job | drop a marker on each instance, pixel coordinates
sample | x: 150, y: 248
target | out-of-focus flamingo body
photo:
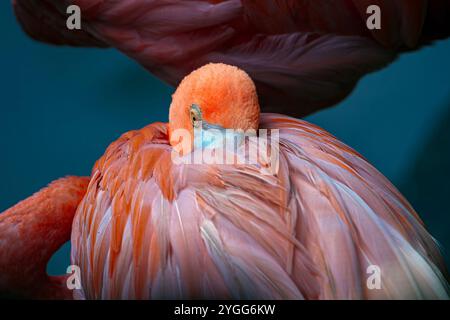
x: 304, y: 55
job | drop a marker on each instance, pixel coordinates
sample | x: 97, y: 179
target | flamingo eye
x: 195, y: 116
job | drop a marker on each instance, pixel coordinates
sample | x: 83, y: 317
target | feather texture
x: 228, y: 231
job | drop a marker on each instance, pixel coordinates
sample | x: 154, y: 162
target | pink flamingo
x: 150, y: 228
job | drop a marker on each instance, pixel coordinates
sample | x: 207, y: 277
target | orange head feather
x: 216, y: 94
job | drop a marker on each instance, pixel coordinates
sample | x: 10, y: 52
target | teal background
x: 60, y: 107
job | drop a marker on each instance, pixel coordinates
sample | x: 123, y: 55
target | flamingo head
x: 216, y: 96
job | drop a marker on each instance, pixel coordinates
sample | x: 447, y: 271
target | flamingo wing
x: 350, y: 217
x: 304, y: 55
x: 149, y: 228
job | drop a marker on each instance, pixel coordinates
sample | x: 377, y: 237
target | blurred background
x: 60, y: 107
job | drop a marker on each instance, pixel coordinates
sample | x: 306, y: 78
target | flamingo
x: 303, y: 55
x: 146, y: 227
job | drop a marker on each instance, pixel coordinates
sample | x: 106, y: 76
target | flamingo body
x: 304, y: 55
x: 150, y: 229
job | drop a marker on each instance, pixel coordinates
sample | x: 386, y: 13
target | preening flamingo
x: 303, y: 55
x: 150, y: 228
